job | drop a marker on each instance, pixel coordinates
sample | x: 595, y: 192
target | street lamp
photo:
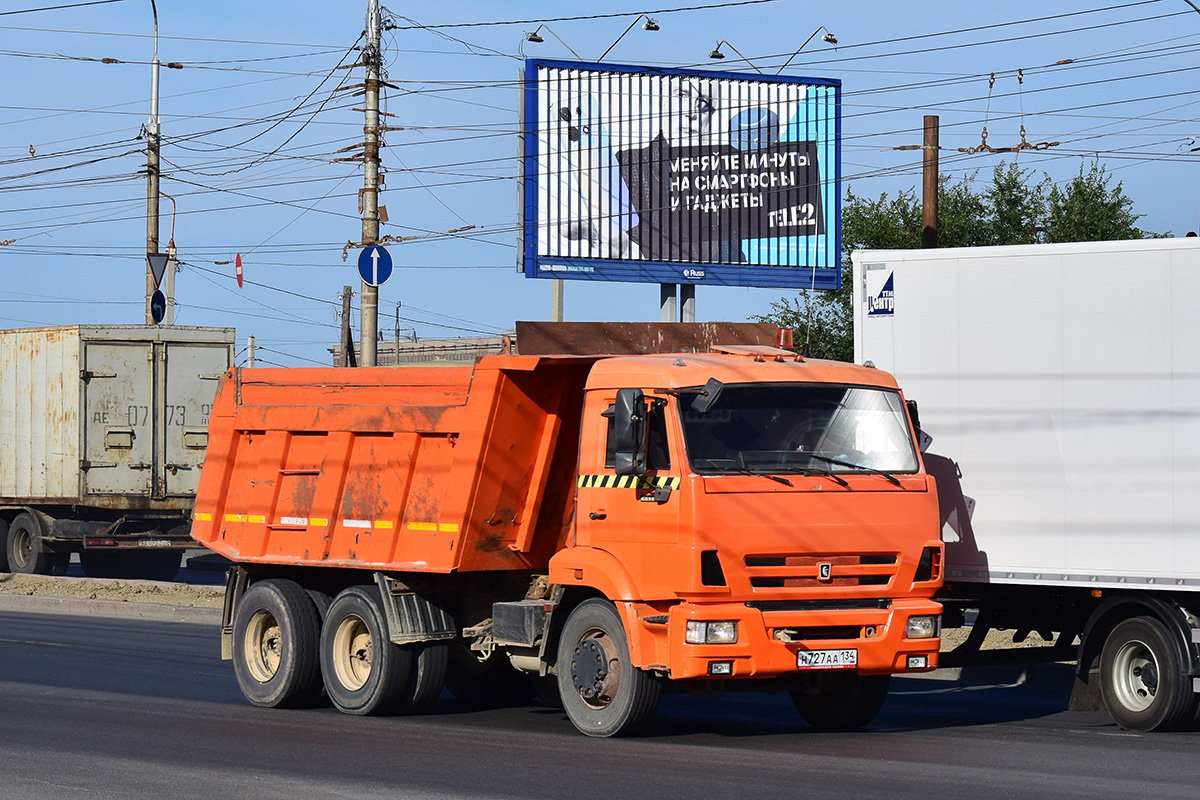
x: 828, y: 37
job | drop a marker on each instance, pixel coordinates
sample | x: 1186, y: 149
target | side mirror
x: 629, y: 432
x: 708, y: 397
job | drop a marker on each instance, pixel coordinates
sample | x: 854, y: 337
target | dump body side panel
x: 412, y: 469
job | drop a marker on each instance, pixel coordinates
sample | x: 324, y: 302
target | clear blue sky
x: 252, y: 126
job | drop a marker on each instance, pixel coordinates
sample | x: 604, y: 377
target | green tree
x: 1087, y: 210
x: 1010, y: 209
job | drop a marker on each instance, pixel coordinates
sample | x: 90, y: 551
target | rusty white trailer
x: 103, y: 430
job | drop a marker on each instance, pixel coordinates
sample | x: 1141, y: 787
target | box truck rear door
x: 193, y: 370
x: 119, y: 421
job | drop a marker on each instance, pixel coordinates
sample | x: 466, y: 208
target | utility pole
x: 369, y: 298
x: 152, y: 169
x: 929, y: 187
x: 249, y: 351
x: 346, y: 358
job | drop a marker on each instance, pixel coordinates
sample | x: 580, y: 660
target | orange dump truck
x: 612, y: 526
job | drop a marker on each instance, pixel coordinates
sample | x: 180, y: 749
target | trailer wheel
x: 364, y: 672
x: 603, y: 693
x: 275, y: 638
x: 842, y: 701
x: 1142, y: 677
x: 3, y: 545
x: 26, y: 552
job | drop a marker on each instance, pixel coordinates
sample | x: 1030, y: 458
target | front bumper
x: 771, y: 635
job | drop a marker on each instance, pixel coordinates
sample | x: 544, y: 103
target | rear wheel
x: 276, y: 632
x: 1142, y: 677
x: 364, y: 672
x: 427, y: 677
x: 27, y: 553
x: 603, y: 693
x: 842, y: 701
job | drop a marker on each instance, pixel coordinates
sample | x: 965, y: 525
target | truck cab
x: 758, y: 517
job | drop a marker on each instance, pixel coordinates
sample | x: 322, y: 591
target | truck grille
x: 798, y: 571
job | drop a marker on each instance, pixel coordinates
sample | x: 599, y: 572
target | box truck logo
x: 884, y: 303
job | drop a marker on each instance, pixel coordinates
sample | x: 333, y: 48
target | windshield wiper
x: 869, y: 470
x: 824, y: 473
x: 768, y: 475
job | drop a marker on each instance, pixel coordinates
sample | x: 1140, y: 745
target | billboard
x: 680, y: 176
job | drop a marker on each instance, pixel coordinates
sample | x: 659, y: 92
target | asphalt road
x: 104, y: 708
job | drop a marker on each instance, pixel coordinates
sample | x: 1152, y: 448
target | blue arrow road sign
x: 374, y: 265
x: 158, y: 306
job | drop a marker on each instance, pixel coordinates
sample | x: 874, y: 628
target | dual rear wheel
x: 289, y: 650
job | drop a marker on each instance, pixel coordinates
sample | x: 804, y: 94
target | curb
x: 159, y: 612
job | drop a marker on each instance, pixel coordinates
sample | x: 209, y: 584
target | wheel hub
x: 589, y: 669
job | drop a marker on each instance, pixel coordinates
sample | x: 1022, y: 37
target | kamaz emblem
x: 884, y: 303
x: 825, y: 571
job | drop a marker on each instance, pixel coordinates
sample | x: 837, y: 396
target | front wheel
x: 842, y: 701
x: 603, y: 693
x: 1142, y: 677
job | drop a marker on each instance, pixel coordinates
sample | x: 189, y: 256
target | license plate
x: 826, y: 659
x: 154, y: 543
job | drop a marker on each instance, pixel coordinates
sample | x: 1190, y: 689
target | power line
x: 59, y: 8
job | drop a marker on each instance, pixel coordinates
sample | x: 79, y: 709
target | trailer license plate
x: 826, y: 659
x: 154, y: 543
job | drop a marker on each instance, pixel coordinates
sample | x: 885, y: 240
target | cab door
x: 636, y: 518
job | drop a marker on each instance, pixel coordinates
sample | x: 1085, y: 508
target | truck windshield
x: 795, y: 427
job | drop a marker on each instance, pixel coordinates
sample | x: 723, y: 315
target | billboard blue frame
x: 625, y: 178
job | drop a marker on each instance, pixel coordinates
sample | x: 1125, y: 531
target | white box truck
x: 1061, y: 387
x: 103, y: 430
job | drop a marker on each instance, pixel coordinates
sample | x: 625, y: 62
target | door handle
x: 597, y: 515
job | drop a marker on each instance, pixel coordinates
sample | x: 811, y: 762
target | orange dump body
x: 502, y: 467
x: 434, y: 469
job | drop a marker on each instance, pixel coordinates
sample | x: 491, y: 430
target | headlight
x: 922, y: 627
x: 722, y: 632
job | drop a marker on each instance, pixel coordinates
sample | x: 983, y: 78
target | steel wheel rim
x: 353, y: 653
x: 263, y: 645
x: 23, y: 551
x: 1135, y: 673
x: 612, y: 683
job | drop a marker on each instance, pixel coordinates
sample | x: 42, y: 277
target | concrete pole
x: 929, y: 184
x: 152, y: 170
x: 687, y: 302
x: 369, y: 299
x: 249, y: 351
x: 667, y: 302
x: 556, y: 299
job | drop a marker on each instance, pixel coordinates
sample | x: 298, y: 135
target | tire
x: 1142, y: 677
x: 276, y: 633
x: 603, y: 693
x: 364, y: 672
x: 426, y: 677
x: 3, y: 545
x: 842, y: 701
x: 26, y: 553
x: 491, y: 684
x: 156, y: 565
x: 101, y: 563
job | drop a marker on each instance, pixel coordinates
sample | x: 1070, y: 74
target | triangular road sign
x: 158, y: 265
